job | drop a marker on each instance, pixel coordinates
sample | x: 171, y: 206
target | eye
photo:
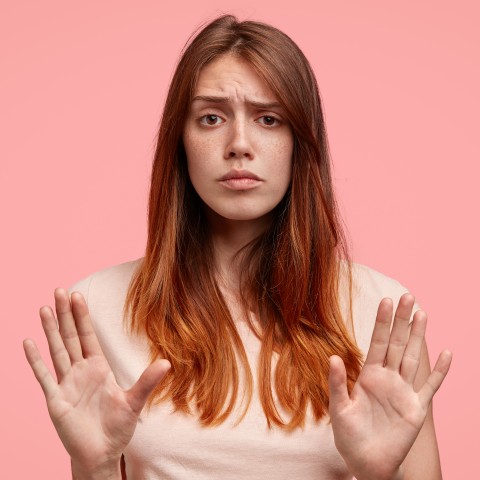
x: 209, y: 119
x: 270, y: 120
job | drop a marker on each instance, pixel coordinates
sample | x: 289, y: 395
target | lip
x: 236, y: 174
x: 240, y: 180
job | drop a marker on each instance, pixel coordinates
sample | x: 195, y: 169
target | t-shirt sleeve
x: 105, y: 292
x: 82, y: 286
x: 369, y: 287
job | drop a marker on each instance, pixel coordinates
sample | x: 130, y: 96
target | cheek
x: 200, y: 165
x: 282, y: 144
x: 281, y: 153
x: 198, y: 149
x: 193, y: 151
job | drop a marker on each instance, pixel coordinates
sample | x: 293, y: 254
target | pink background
x: 82, y: 86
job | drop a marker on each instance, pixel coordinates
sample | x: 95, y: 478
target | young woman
x: 245, y: 327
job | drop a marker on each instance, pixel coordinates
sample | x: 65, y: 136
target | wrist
x: 396, y: 475
x: 109, y: 470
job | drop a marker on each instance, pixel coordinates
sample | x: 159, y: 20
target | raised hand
x: 375, y: 427
x: 94, y: 417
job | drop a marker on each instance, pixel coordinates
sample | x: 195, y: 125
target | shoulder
x: 110, y: 283
x: 105, y: 293
x: 371, y: 283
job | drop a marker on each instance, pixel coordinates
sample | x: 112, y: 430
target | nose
x: 238, y: 144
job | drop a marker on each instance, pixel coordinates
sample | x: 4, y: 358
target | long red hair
x: 291, y: 272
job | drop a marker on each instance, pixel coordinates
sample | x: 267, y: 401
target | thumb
x: 151, y: 376
x: 337, y: 382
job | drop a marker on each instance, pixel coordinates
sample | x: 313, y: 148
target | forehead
x: 234, y: 77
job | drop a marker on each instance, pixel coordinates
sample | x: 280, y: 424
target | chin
x: 243, y: 215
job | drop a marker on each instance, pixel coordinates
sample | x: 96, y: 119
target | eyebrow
x: 223, y: 100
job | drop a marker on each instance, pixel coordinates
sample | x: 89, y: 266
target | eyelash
x: 218, y: 116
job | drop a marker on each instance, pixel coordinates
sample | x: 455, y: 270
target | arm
x: 389, y: 408
x: 108, y: 472
x: 94, y: 417
x: 113, y: 472
x: 123, y: 466
x: 423, y: 460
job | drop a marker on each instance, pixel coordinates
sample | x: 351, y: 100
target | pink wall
x: 81, y: 90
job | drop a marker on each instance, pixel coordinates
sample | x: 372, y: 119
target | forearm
x: 110, y: 471
x: 397, y: 475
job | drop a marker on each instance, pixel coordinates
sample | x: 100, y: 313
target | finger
x: 434, y: 381
x: 337, y: 382
x: 413, y: 350
x: 58, y: 352
x: 399, y: 335
x: 42, y: 374
x: 381, y: 333
x: 138, y: 394
x: 86, y: 333
x: 66, y: 323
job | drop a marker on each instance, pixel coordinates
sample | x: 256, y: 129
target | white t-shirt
x: 174, y: 446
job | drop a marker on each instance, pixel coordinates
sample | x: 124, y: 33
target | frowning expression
x: 236, y: 128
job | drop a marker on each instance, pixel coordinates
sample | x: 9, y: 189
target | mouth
x: 240, y: 180
x: 239, y: 174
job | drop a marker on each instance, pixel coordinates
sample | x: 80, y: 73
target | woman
x: 245, y: 323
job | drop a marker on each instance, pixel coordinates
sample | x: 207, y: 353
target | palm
x: 376, y: 425
x: 91, y: 413
x: 94, y: 417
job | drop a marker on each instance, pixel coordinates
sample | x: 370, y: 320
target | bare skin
x: 95, y: 418
x: 383, y: 430
x: 389, y: 412
x: 376, y: 426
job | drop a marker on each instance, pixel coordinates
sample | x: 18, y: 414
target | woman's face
x: 236, y: 127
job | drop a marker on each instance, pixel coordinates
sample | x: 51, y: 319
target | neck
x: 228, y: 237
